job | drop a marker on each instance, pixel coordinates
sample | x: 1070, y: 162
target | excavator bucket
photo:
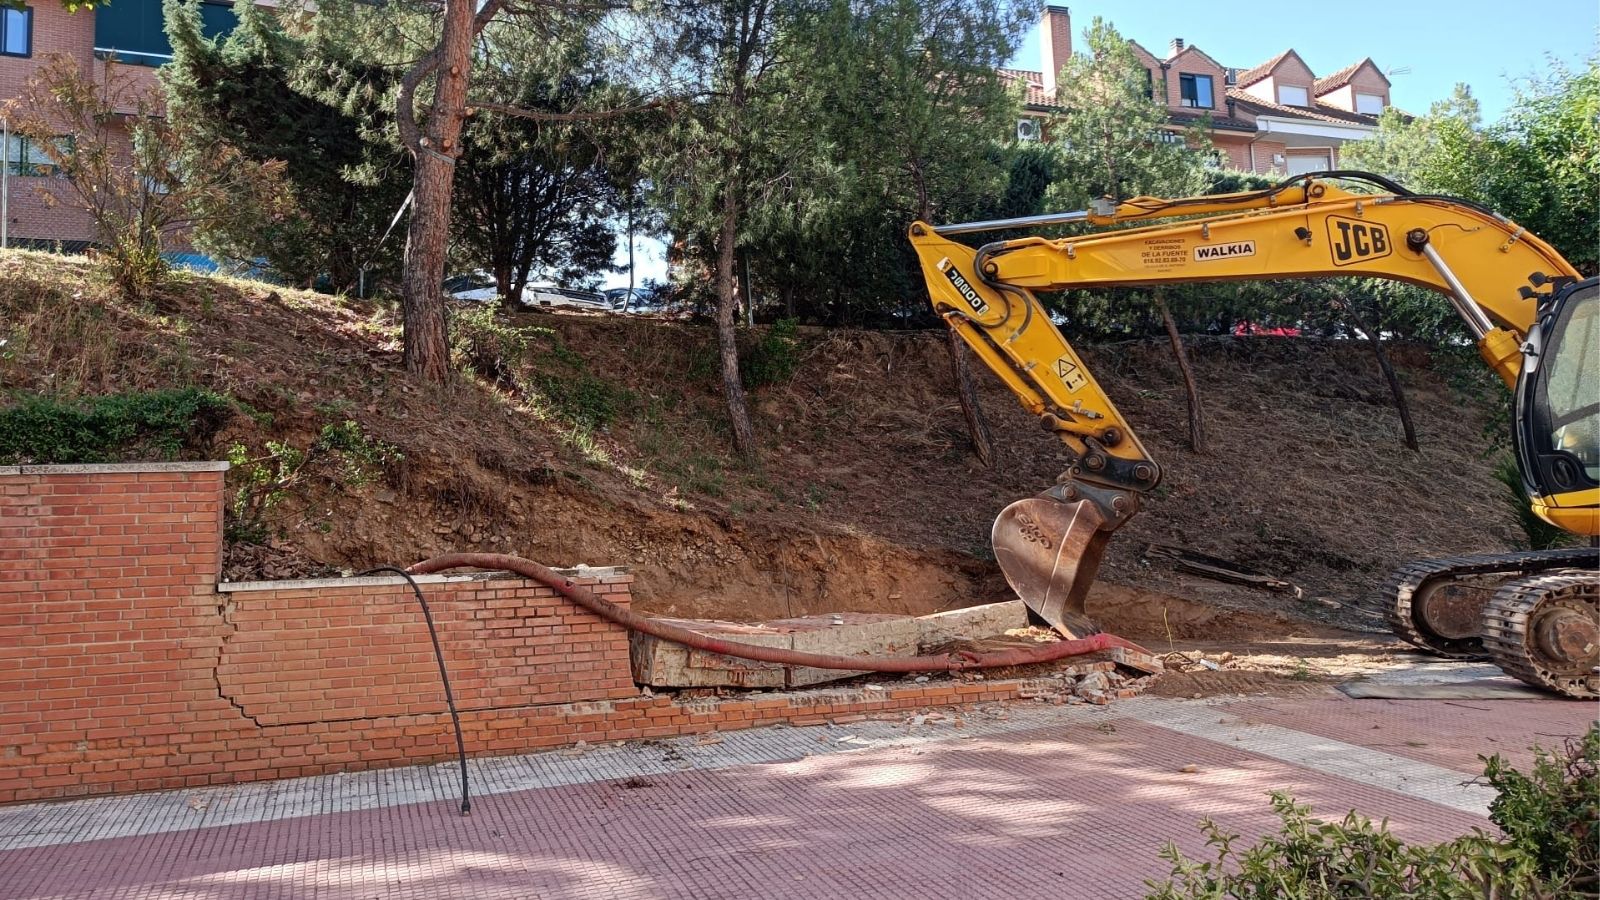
x: 1050, y: 552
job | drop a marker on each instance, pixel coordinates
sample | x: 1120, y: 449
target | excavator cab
x: 1558, y: 409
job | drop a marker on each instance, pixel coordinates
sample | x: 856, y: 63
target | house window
x: 1149, y: 84
x: 1293, y: 96
x: 1370, y: 104
x: 134, y: 31
x: 1195, y: 90
x: 24, y: 157
x: 16, y: 32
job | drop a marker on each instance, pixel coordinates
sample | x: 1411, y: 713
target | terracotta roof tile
x: 1228, y: 123
x: 1251, y: 76
x: 1033, y: 93
x: 1319, y: 111
x: 1340, y: 78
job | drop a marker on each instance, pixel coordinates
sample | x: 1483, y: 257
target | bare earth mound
x: 866, y: 497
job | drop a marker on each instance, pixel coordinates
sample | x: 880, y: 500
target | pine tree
x: 252, y: 90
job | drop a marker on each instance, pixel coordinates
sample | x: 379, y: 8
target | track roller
x: 1545, y: 630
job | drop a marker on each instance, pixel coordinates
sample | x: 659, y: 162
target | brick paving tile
x: 1449, y: 734
x: 1063, y: 812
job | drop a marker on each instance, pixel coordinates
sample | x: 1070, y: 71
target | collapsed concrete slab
x: 659, y: 663
x: 664, y: 664
x: 970, y: 623
x: 847, y: 634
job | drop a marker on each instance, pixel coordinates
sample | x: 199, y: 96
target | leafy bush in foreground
x: 1548, y: 850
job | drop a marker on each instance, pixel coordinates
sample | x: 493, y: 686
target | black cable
x: 444, y: 676
x: 1346, y: 174
x: 1354, y: 175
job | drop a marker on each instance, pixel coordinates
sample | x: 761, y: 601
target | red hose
x: 678, y: 635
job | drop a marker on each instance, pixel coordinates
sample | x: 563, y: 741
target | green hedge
x: 138, y: 426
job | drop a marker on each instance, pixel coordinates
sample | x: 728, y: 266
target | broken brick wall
x: 125, y: 666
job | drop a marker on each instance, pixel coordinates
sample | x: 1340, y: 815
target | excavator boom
x: 1499, y: 279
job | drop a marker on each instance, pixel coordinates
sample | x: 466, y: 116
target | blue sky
x: 1476, y: 41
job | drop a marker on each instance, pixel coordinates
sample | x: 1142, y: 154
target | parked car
x: 549, y: 295
x: 653, y: 299
x: 479, y: 286
x: 626, y: 299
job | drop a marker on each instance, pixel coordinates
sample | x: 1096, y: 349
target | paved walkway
x: 1015, y: 802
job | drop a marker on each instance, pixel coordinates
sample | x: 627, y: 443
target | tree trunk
x: 1389, y: 375
x: 967, y: 391
x: 627, y: 299
x: 427, y: 346
x: 1197, y: 427
x: 744, y: 438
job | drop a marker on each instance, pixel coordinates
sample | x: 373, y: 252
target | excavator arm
x: 1494, y: 273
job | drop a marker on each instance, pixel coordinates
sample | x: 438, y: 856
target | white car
x: 548, y: 295
x: 481, y: 287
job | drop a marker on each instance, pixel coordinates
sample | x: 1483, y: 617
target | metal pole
x: 749, y: 301
x: 1463, y: 301
x: 5, y: 187
x: 1060, y: 218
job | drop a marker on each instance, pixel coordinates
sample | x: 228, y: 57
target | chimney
x: 1055, y: 44
x: 1175, y: 47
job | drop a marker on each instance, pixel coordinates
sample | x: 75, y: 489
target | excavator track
x: 1415, y: 589
x: 1545, y: 630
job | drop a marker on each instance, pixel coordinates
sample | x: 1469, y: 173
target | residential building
x: 133, y: 33
x: 1277, y: 118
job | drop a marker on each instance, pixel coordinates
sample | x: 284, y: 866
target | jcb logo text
x: 1356, y: 241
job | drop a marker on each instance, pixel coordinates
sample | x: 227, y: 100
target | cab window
x: 1573, y: 385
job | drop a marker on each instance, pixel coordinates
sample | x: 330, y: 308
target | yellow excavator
x: 1536, y: 320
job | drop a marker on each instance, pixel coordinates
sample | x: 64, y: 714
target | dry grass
x: 865, y: 495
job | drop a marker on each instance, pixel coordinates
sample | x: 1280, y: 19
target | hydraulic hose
x: 950, y: 662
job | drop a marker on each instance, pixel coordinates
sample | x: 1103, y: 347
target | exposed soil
x: 1297, y: 665
x: 865, y: 497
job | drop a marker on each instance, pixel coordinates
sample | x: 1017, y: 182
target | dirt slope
x: 865, y: 496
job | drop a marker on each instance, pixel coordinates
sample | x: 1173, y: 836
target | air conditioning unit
x: 1027, y: 129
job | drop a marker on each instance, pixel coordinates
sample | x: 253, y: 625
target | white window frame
x: 1284, y: 100
x: 1370, y: 111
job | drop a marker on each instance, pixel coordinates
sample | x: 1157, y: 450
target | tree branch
x: 405, y: 104
x: 540, y: 115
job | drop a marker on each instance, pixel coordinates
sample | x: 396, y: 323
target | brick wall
x: 1262, y: 157
x: 1191, y: 61
x: 58, y: 33
x: 317, y: 651
x: 1055, y: 45
x: 124, y: 665
x: 55, y: 31
x: 1236, y: 148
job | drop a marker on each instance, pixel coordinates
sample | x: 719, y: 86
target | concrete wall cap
x: 302, y: 584
x: 117, y: 468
